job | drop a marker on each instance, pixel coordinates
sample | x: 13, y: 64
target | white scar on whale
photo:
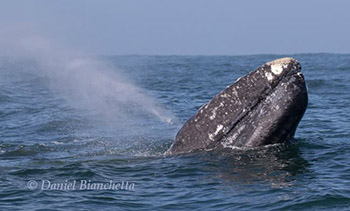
x: 279, y: 65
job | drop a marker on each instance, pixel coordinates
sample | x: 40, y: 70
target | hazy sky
x: 186, y: 27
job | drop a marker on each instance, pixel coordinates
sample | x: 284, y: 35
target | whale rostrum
x: 263, y: 107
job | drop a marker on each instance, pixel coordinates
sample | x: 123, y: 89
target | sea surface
x: 69, y: 123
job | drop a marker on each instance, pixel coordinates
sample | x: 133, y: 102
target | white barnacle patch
x: 269, y: 76
x: 234, y: 92
x: 225, y: 95
x: 218, y: 129
x: 213, y: 112
x: 277, y: 69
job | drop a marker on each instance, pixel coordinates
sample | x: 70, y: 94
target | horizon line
x: 255, y: 54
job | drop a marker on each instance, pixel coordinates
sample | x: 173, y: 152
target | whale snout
x: 263, y: 107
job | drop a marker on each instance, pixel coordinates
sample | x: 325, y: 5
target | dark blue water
x: 50, y: 132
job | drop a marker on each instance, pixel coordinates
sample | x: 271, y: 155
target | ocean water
x: 63, y: 127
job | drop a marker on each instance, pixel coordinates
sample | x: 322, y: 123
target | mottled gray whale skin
x: 263, y: 107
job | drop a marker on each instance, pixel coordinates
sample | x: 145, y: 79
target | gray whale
x: 263, y: 107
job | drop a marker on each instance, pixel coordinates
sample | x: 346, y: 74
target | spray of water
x: 88, y: 83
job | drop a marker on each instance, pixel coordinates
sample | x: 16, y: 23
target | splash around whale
x: 263, y: 107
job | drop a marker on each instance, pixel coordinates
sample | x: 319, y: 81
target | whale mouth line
x: 253, y: 105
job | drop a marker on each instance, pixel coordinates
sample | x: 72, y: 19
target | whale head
x: 263, y: 107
